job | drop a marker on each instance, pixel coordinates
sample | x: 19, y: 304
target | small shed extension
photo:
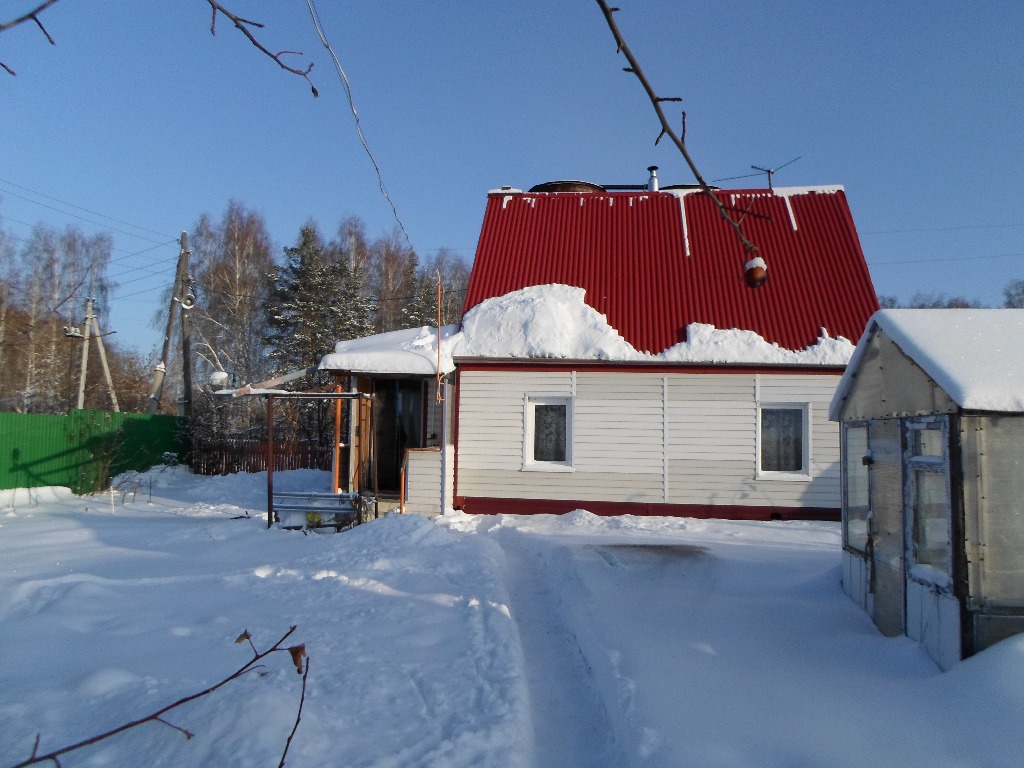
x: 402, y: 374
x: 932, y: 421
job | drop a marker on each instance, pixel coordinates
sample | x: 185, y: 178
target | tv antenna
x: 772, y: 171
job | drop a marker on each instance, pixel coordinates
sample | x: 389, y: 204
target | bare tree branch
x: 32, y: 15
x: 158, y: 717
x: 298, y: 715
x: 666, y: 129
x: 242, y: 25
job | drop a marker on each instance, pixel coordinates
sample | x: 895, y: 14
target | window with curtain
x: 783, y: 439
x: 548, y: 438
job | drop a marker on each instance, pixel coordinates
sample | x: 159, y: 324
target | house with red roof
x: 613, y: 358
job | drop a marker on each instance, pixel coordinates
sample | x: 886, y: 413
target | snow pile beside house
x: 555, y: 322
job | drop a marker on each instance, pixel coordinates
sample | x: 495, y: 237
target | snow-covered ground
x: 463, y: 641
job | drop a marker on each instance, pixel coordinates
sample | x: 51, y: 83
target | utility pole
x: 160, y: 372
x: 103, y: 362
x: 188, y: 300
x: 92, y: 324
x: 85, y: 355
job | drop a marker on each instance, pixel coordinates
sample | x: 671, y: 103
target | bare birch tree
x: 231, y: 259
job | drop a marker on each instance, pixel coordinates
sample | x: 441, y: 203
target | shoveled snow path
x: 571, y: 726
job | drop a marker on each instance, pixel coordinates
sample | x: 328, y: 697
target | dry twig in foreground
x: 298, y: 656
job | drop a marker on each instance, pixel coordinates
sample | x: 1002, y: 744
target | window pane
x: 782, y: 439
x: 857, y: 501
x: 549, y: 432
x: 927, y: 442
x: 931, y: 519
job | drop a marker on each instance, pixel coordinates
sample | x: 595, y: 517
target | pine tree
x: 316, y: 299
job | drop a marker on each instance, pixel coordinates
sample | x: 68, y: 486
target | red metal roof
x: 654, y: 262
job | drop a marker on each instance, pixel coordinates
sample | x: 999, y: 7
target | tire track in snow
x: 571, y: 725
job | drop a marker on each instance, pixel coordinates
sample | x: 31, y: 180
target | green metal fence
x: 83, y: 449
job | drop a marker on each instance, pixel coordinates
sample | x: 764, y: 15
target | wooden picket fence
x: 224, y: 457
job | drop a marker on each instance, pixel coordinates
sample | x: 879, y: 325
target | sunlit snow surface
x: 523, y: 641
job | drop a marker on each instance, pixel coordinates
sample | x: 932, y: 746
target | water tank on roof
x: 567, y: 186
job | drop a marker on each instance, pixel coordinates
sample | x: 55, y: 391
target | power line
x: 952, y: 258
x: 80, y: 208
x: 82, y: 218
x: 352, y: 107
x: 50, y: 231
x: 941, y: 229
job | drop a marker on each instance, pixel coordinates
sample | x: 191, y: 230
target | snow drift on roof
x: 974, y: 355
x: 542, y: 321
x: 412, y: 351
x: 555, y: 322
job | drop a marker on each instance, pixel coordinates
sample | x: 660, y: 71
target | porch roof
x: 413, y: 351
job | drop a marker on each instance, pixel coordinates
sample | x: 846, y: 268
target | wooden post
x: 270, y: 461
x: 336, y: 461
x: 373, y: 459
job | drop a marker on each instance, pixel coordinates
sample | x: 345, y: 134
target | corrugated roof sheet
x: 654, y: 262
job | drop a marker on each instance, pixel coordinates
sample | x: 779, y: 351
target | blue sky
x: 140, y: 114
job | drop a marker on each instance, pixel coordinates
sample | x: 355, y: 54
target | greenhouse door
x: 887, y: 535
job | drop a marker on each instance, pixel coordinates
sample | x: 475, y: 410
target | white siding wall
x: 423, y: 481
x: 681, y: 438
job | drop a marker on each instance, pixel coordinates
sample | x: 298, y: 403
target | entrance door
x: 928, y: 515
x: 887, y: 540
x: 399, y: 425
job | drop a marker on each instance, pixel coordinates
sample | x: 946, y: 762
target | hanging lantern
x: 755, y: 272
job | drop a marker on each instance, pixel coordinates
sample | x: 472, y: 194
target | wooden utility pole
x: 160, y: 372
x: 187, y: 302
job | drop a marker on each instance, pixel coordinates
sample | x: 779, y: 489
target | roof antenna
x: 771, y: 171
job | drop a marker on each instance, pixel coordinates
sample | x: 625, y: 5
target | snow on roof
x: 546, y: 321
x: 655, y: 263
x: 555, y: 322
x: 412, y: 351
x: 974, y: 355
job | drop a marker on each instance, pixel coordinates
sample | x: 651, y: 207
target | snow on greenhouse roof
x: 555, y: 322
x: 974, y: 355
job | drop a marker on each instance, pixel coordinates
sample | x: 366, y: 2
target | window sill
x: 783, y: 477
x: 534, y: 466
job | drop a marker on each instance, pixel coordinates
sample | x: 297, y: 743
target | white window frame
x: 805, y: 472
x: 530, y: 464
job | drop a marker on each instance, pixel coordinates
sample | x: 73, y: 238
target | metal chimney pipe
x: 652, y: 183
